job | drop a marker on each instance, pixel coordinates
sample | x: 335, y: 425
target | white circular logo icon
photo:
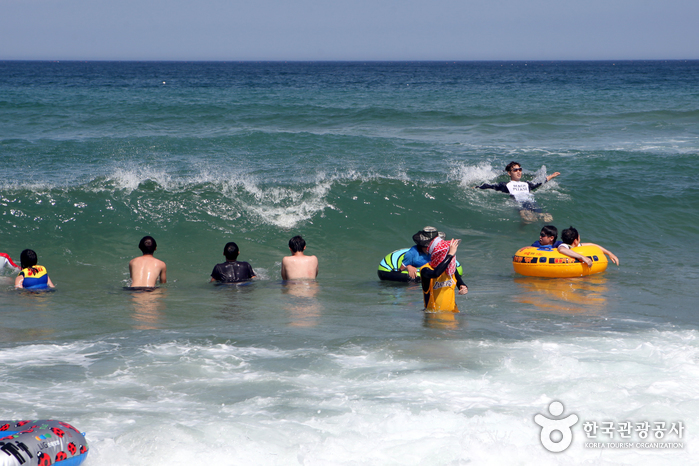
x: 549, y: 426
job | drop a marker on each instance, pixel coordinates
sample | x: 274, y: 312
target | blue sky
x: 348, y: 30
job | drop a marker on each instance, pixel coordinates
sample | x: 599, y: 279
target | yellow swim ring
x: 544, y: 262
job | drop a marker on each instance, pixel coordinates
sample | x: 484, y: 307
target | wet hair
x: 27, y: 259
x: 231, y: 251
x: 550, y: 230
x: 147, y: 245
x: 511, y: 165
x: 297, y: 244
x: 569, y: 235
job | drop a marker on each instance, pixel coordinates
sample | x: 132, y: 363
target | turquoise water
x: 356, y: 157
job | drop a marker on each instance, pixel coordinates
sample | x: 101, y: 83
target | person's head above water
x: 438, y: 250
x: 513, y: 165
x: 27, y: 259
x: 297, y: 244
x: 569, y: 235
x: 423, y: 237
x: 548, y: 235
x: 514, y: 169
x: 147, y: 245
x: 231, y: 251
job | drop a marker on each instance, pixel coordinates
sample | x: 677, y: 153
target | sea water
x: 356, y: 157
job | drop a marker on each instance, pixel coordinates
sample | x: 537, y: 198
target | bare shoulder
x: 310, y: 260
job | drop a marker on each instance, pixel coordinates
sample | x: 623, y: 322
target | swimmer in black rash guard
x: 521, y: 192
x: 232, y: 271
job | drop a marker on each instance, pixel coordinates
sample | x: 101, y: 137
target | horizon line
x: 538, y: 60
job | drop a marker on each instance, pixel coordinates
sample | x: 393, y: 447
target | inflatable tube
x: 5, y: 259
x: 545, y: 262
x: 41, y: 443
x: 389, y: 267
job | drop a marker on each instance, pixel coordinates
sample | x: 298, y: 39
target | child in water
x: 440, y: 278
x: 571, y: 239
x: 32, y: 276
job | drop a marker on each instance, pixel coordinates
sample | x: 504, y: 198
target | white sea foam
x: 130, y: 179
x: 443, y: 402
x: 280, y: 205
x: 469, y: 175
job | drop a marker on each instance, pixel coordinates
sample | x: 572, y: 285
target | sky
x: 234, y: 30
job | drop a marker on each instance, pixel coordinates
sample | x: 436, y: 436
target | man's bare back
x: 299, y: 266
x: 145, y: 271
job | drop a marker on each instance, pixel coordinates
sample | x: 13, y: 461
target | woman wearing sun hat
x: 417, y: 256
x: 440, y: 277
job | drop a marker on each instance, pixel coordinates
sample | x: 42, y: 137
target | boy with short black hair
x: 233, y: 270
x: 298, y: 265
x: 547, y: 238
x: 571, y: 239
x: 146, y: 270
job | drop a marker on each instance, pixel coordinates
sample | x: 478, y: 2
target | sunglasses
x: 544, y: 235
x: 516, y: 169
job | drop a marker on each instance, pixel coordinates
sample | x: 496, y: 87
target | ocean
x: 355, y: 157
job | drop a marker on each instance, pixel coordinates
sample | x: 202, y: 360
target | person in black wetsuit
x: 232, y: 271
x: 521, y: 192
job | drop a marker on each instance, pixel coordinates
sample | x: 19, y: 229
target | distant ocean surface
x: 356, y: 157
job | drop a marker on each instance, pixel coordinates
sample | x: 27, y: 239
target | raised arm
x: 533, y: 186
x: 439, y: 270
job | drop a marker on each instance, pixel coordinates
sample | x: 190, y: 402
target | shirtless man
x: 298, y: 265
x: 146, y: 270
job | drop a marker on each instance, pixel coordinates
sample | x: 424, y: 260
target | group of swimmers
x: 146, y: 271
x: 433, y: 257
x: 548, y: 239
